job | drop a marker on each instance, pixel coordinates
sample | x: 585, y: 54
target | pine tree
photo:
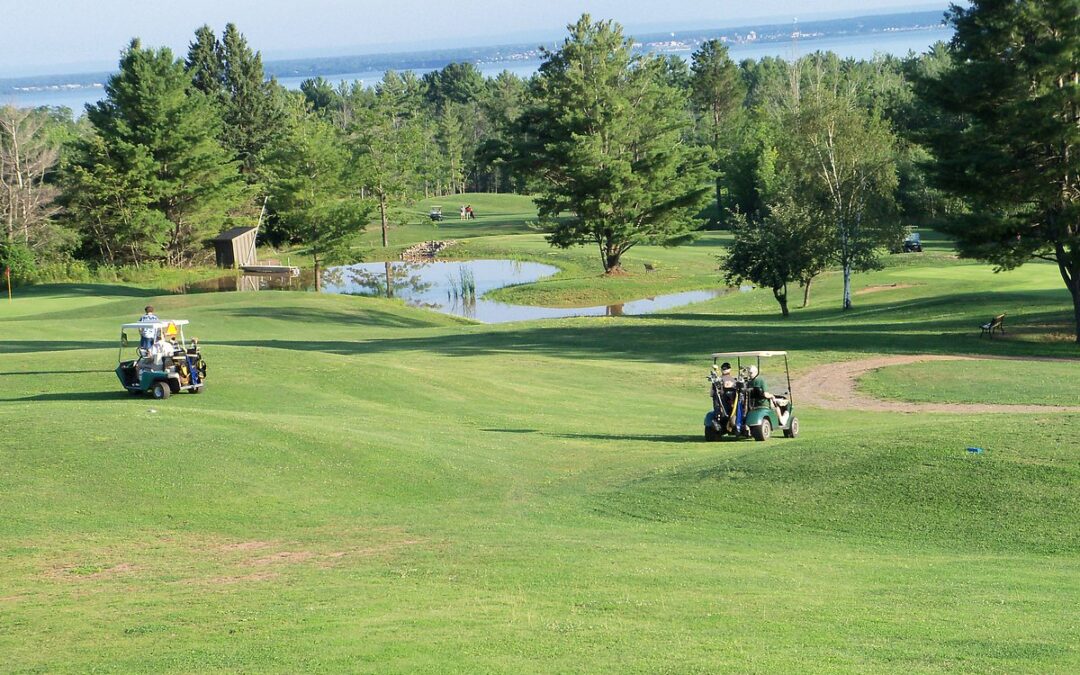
x: 450, y: 135
x: 717, y: 94
x: 502, y: 105
x: 311, y: 189
x: 1007, y: 140
x: 606, y: 136
x: 156, y: 143
x: 253, y: 111
x: 387, y: 140
x: 206, y: 64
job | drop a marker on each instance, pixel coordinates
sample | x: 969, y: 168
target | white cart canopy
x: 160, y: 325
x: 737, y: 355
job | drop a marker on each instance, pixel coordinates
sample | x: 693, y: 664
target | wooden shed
x: 235, y: 247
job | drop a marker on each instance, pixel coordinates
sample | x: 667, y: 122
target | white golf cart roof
x: 737, y: 355
x: 156, y: 324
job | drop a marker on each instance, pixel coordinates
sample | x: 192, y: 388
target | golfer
x: 757, y: 383
x: 727, y: 381
x: 146, y: 341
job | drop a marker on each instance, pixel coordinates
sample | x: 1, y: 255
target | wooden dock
x: 271, y: 269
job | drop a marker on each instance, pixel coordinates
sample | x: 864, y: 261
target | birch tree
x: 28, y: 157
x: 843, y: 157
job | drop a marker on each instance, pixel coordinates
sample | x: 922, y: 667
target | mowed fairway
x: 369, y: 487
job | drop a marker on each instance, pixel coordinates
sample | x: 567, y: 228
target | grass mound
x: 901, y: 483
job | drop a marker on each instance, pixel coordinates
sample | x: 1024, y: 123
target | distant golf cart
x: 742, y: 406
x: 913, y: 243
x: 170, y: 366
x: 435, y: 214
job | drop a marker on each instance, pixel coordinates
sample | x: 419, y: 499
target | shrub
x: 20, y: 260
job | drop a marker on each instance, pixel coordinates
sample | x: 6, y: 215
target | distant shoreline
x: 515, y: 54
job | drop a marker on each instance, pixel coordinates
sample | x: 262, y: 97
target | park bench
x: 650, y: 267
x: 995, y: 324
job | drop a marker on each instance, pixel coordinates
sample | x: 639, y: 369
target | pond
x: 452, y: 287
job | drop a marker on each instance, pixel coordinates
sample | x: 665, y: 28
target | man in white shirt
x: 148, y: 335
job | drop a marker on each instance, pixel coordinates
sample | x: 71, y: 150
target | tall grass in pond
x: 461, y: 292
x: 464, y: 286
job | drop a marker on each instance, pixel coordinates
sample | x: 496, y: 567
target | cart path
x: 834, y: 386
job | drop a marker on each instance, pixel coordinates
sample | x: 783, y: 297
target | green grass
x: 582, y: 281
x: 495, y: 214
x: 1026, y: 382
x: 369, y: 487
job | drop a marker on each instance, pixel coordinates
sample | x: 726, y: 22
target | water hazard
x: 452, y: 287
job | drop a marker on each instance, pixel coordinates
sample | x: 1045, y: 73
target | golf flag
x: 7, y: 275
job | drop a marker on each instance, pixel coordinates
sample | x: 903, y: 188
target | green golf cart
x: 170, y: 365
x: 742, y: 404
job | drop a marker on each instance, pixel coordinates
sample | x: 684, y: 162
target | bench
x: 650, y: 267
x: 995, y: 324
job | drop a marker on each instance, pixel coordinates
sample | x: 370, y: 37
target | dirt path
x: 834, y: 386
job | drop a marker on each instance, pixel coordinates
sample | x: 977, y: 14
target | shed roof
x: 229, y: 235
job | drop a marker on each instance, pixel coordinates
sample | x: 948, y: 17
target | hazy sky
x: 45, y: 36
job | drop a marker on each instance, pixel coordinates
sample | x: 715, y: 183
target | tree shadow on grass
x: 967, y: 309
x: 75, y: 396
x: 30, y: 346
x: 689, y: 341
x: 51, y: 372
x: 648, y: 438
x: 83, y: 289
x: 360, y: 316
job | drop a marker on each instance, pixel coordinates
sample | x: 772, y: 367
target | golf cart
x: 167, y: 367
x: 435, y: 214
x: 912, y: 243
x: 742, y: 406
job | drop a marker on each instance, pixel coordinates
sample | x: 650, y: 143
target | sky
x: 66, y: 36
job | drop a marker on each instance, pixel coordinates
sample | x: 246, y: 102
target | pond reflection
x: 387, y: 279
x: 452, y: 287
x: 458, y: 288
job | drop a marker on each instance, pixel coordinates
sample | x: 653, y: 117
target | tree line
x: 813, y: 164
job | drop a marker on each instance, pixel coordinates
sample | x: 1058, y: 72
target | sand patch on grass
x: 76, y: 572
x: 238, y: 579
x: 286, y: 557
x: 246, y: 546
x: 215, y: 561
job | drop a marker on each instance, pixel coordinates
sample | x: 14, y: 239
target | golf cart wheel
x: 793, y: 429
x: 161, y: 390
x: 711, y: 435
x: 761, y: 432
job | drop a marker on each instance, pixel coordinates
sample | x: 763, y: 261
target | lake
x: 451, y: 287
x: 861, y: 46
